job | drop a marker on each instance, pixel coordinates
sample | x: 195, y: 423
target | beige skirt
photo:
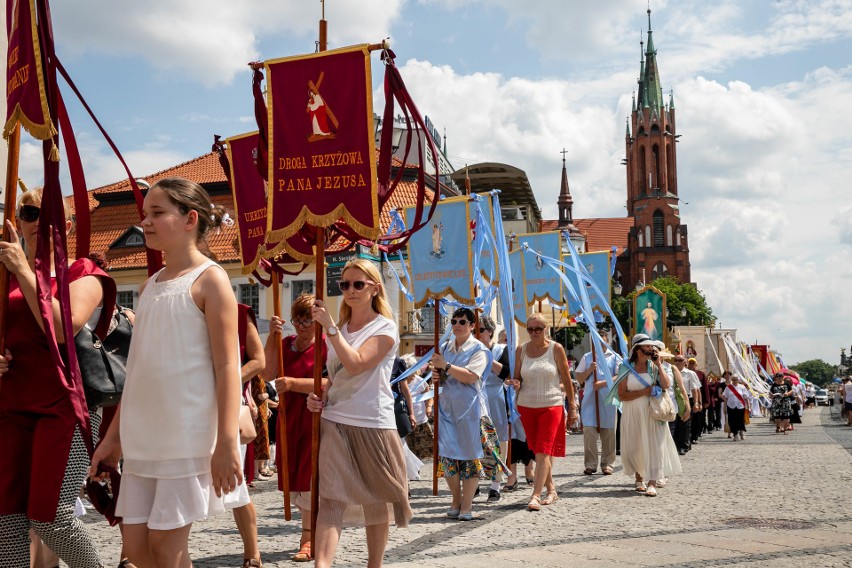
x: 362, y: 477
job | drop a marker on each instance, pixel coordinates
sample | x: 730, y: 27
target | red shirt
x: 299, y: 418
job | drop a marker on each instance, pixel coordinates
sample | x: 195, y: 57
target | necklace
x: 294, y: 347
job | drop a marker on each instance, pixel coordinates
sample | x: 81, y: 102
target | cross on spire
x: 563, y: 152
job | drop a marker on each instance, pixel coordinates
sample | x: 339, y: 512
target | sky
x: 762, y: 88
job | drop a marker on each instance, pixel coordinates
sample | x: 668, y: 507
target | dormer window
x: 134, y: 241
x: 132, y: 237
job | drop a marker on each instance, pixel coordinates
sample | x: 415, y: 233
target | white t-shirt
x: 691, y: 382
x: 731, y: 399
x: 364, y: 400
x: 847, y: 388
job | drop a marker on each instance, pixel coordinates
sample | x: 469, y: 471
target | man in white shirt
x: 593, y: 376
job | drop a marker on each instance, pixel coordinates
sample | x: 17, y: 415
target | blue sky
x: 762, y: 89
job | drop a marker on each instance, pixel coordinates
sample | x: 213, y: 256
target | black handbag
x: 103, y: 362
x: 403, y: 423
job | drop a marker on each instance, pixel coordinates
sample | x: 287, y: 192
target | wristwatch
x: 331, y: 331
x: 447, y: 368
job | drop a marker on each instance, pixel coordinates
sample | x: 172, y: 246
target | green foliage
x: 815, y: 370
x: 679, y: 296
x: 570, y: 336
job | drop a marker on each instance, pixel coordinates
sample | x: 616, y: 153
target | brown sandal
x: 304, y: 554
x: 252, y: 563
x: 534, y: 504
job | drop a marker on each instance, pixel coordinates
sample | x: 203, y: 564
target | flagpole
x: 282, y: 398
x: 319, y: 259
x: 594, y: 380
x: 436, y: 413
x: 511, y: 372
x: 9, y: 204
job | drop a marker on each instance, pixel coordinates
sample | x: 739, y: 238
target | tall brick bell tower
x: 657, y: 242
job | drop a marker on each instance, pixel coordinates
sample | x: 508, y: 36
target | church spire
x: 650, y: 92
x: 565, y: 203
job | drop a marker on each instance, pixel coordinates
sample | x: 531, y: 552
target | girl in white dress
x: 647, y: 450
x: 177, y: 425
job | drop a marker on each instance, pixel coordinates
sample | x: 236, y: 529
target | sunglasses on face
x: 358, y: 285
x: 648, y: 353
x: 29, y: 213
x: 461, y: 321
x: 535, y: 329
x: 303, y: 323
x: 483, y: 329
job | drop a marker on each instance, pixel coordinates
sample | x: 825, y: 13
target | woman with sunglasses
x: 293, y: 388
x: 468, y: 445
x: 41, y: 447
x: 495, y: 394
x: 362, y: 469
x: 648, y: 451
x: 540, y: 367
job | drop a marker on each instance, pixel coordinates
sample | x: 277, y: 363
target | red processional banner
x: 26, y: 97
x: 249, y: 191
x: 322, y: 163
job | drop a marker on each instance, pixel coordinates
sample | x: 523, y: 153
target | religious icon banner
x: 322, y: 164
x: 598, y: 266
x: 249, y: 191
x: 649, y: 313
x: 26, y: 98
x: 540, y: 282
x: 441, y: 256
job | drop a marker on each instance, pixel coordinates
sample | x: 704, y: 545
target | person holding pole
x: 42, y: 452
x: 495, y: 393
x: 598, y: 418
x: 293, y: 389
x: 362, y: 476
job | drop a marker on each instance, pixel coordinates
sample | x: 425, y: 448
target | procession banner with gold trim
x: 249, y: 193
x: 649, y: 313
x: 322, y: 164
x: 540, y: 283
x: 598, y: 267
x: 519, y: 300
x: 26, y: 96
x: 441, y: 257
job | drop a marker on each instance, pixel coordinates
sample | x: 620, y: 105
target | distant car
x: 822, y: 397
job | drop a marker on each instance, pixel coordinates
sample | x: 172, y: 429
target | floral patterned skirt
x: 488, y: 467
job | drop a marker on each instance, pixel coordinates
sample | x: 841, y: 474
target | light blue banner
x: 441, y: 255
x: 540, y: 283
x: 597, y: 266
x: 519, y: 302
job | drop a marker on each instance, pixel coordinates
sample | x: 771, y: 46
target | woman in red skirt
x: 540, y: 367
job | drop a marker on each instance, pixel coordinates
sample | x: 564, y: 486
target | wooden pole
x: 319, y: 259
x: 594, y: 380
x: 283, y: 450
x: 9, y: 204
x: 511, y: 372
x: 436, y: 413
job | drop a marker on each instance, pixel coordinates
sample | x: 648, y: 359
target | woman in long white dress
x: 647, y: 449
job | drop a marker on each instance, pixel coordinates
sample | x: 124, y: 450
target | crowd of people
x: 185, y: 462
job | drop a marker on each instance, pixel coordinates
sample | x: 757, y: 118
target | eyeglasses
x: 303, y: 323
x: 28, y: 213
x: 358, y: 285
x: 461, y: 321
x: 535, y: 329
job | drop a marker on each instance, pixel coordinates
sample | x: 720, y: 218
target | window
x: 249, y: 294
x: 660, y: 270
x: 668, y: 235
x: 124, y: 298
x: 677, y: 237
x: 134, y: 241
x: 641, y: 240
x: 300, y: 287
x: 658, y: 229
x: 647, y: 235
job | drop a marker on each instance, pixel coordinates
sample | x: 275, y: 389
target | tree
x: 815, y: 370
x: 678, y: 297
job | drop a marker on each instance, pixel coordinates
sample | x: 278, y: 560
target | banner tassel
x: 54, y: 153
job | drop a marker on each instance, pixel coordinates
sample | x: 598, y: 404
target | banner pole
x: 283, y: 450
x: 437, y: 406
x: 594, y: 380
x: 10, y: 198
x: 511, y: 372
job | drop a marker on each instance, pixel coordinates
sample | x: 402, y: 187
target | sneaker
x: 465, y: 516
x: 453, y: 513
x: 493, y: 496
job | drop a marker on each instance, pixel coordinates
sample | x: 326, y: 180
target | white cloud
x: 210, y: 40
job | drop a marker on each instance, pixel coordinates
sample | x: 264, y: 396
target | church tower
x: 657, y: 243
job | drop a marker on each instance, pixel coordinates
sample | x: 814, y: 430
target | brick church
x: 652, y: 239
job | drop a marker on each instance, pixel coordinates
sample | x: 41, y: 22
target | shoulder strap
x: 108, y: 303
x: 243, y: 312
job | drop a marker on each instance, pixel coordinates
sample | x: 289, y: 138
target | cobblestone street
x: 770, y: 498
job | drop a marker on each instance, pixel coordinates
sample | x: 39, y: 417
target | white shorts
x: 166, y: 504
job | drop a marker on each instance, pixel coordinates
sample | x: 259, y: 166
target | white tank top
x: 540, y: 387
x: 168, y: 409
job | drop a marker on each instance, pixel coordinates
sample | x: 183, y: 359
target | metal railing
x: 422, y: 322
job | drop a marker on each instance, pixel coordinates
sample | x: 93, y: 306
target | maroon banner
x: 322, y: 165
x: 761, y: 352
x: 249, y: 192
x: 26, y: 96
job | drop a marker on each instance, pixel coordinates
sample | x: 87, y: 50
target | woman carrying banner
x: 468, y: 445
x: 294, y: 387
x: 647, y: 450
x: 540, y: 367
x: 495, y: 394
x: 43, y: 456
x: 361, y: 466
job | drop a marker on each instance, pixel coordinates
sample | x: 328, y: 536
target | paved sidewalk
x: 754, y: 503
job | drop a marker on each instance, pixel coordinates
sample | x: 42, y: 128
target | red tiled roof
x: 601, y: 234
x: 203, y: 170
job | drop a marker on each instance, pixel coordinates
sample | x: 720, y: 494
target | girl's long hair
x: 380, y: 302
